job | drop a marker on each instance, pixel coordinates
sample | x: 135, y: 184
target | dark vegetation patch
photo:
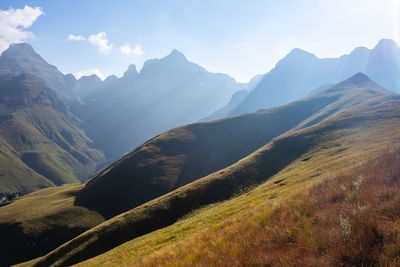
x: 185, y: 154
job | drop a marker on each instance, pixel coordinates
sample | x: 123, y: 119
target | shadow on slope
x: 254, y: 169
x: 185, y: 154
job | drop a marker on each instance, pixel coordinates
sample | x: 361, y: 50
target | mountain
x: 166, y: 93
x: 21, y: 58
x: 236, y: 99
x: 339, y: 219
x: 304, y: 142
x: 191, y: 166
x: 90, y: 84
x: 185, y: 154
x: 41, y: 141
x: 299, y: 72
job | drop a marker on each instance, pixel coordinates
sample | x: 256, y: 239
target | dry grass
x: 290, y: 162
x: 349, y: 220
x: 336, y: 151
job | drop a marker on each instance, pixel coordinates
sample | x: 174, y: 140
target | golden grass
x: 293, y: 161
x: 338, y: 151
x: 350, y: 220
x: 38, y: 206
x: 36, y: 223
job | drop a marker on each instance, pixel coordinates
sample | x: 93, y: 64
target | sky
x: 240, y: 38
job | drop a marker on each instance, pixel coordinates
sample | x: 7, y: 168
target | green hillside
x: 42, y: 144
x: 345, y: 219
x: 38, y: 222
x: 339, y: 139
x: 185, y: 154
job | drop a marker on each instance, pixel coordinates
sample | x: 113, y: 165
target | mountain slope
x: 190, y: 150
x: 37, y: 223
x: 292, y: 160
x: 41, y: 142
x: 184, y: 154
x: 349, y: 219
x: 167, y: 92
x: 299, y: 72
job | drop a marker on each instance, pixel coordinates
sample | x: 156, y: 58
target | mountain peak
x: 385, y: 44
x: 131, y: 71
x: 18, y: 49
x: 300, y: 52
x: 358, y: 78
x: 92, y: 77
x: 176, y: 54
x: 296, y: 56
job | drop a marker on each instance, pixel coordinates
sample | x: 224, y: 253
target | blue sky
x: 240, y: 38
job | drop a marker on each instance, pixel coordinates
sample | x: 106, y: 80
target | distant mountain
x: 167, y: 92
x: 299, y: 72
x: 21, y: 58
x: 236, y: 99
x: 41, y: 141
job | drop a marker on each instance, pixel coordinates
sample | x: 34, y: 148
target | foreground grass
x: 337, y: 151
x: 350, y: 220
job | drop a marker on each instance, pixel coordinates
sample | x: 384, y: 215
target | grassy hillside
x: 325, y: 125
x: 288, y: 165
x: 40, y: 221
x: 41, y: 142
x: 185, y: 154
x: 350, y: 219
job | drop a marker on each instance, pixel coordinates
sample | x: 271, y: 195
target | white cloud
x: 100, y: 40
x: 76, y: 37
x: 90, y: 72
x: 128, y: 50
x: 13, y: 23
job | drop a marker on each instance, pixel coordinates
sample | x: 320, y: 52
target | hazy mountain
x: 21, y: 58
x: 41, y: 141
x: 167, y: 92
x: 184, y: 154
x: 204, y: 163
x: 236, y: 99
x: 299, y: 72
x: 90, y: 84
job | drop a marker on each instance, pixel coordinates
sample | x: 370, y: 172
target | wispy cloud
x: 14, y: 22
x: 103, y: 45
x: 100, y: 40
x: 76, y: 37
x: 126, y: 49
x: 97, y: 72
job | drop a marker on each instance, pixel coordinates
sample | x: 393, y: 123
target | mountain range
x: 186, y: 150
x: 116, y: 115
x: 166, y: 93
x: 301, y: 72
x: 171, y: 176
